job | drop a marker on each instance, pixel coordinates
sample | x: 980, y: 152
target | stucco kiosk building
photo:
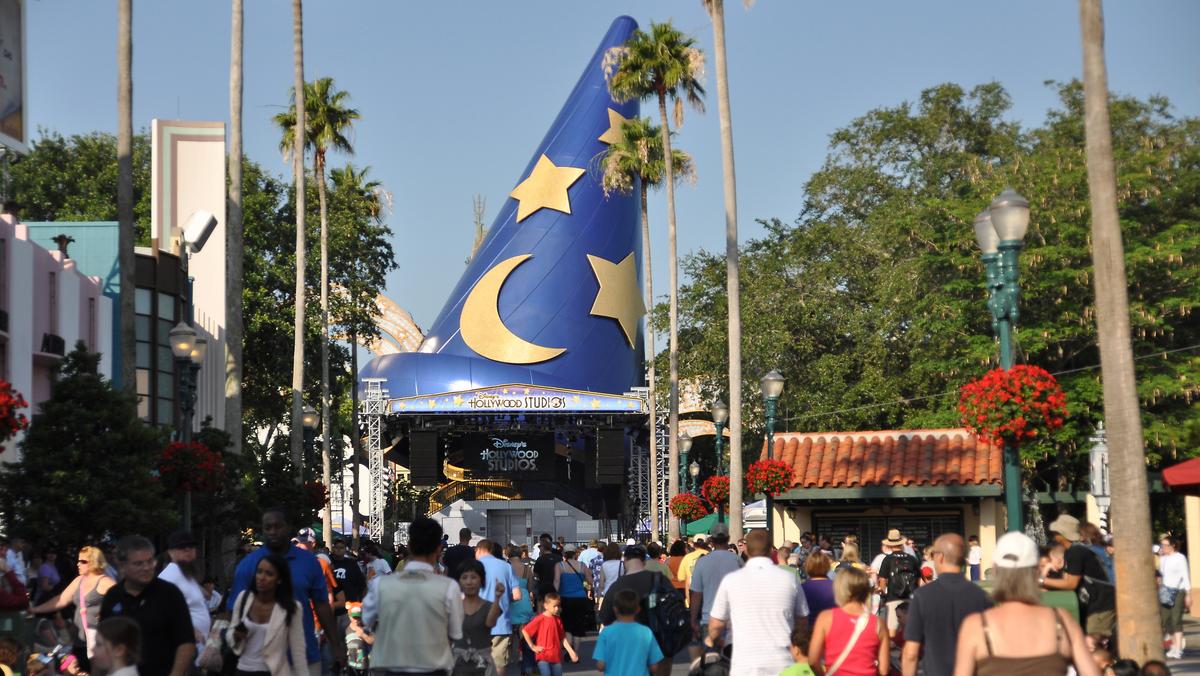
x: 923, y: 482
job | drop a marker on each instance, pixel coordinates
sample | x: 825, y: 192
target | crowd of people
x: 480, y: 608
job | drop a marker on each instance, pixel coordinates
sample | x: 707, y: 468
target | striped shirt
x: 760, y: 602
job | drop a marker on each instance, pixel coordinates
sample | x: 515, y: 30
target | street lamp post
x: 1000, y: 232
x: 772, y: 387
x: 720, y: 416
x: 189, y: 350
x: 694, y: 470
x: 685, y: 446
x: 309, y: 419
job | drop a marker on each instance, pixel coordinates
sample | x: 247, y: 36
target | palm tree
x: 637, y: 159
x: 662, y: 64
x: 1141, y: 635
x: 233, y: 239
x: 125, y: 232
x: 350, y: 181
x: 716, y: 10
x: 328, y: 120
x: 296, y: 433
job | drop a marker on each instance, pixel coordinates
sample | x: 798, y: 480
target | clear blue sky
x: 455, y: 96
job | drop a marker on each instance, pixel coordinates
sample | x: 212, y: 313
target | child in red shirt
x: 546, y: 637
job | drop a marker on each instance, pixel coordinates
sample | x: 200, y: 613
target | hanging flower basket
x: 190, y: 466
x: 11, y: 419
x: 687, y: 507
x: 770, y: 477
x: 716, y: 490
x: 1021, y: 404
x: 315, y: 495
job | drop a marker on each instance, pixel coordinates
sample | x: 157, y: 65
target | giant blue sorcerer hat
x: 554, y: 295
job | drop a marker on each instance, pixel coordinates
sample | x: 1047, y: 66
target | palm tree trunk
x: 733, y: 287
x: 1139, y: 629
x: 297, y: 430
x: 650, y: 365
x: 327, y: 515
x: 355, y: 437
x: 234, y: 326
x: 673, y: 315
x: 125, y: 234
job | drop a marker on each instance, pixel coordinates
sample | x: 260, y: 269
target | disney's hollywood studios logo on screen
x: 506, y: 455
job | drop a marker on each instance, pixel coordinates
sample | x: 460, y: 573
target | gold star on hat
x: 619, y: 296
x: 615, y: 133
x: 546, y: 186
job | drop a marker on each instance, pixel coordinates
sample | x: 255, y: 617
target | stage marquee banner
x: 518, y: 399
x: 14, y: 118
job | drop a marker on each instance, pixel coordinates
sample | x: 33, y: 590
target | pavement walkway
x: 1190, y: 664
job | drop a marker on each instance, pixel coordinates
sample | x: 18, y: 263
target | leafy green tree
x: 663, y: 64
x: 75, y: 179
x: 636, y: 160
x: 873, y: 303
x: 88, y: 464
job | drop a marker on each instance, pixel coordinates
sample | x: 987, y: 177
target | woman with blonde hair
x: 848, y: 639
x: 86, y: 592
x: 1020, y: 635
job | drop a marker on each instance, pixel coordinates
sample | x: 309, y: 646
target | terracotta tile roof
x: 888, y: 458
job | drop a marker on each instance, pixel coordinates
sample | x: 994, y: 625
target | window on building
x: 91, y: 327
x: 167, y: 313
x: 143, y: 300
x: 53, y: 281
x: 4, y: 272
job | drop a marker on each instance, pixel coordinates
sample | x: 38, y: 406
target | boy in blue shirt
x: 626, y: 648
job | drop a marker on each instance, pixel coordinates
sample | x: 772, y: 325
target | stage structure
x: 523, y: 406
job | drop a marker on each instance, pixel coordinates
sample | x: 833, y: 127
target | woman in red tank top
x: 848, y: 640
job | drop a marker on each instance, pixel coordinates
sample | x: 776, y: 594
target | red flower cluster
x: 770, y: 477
x: 687, y: 507
x: 1017, y: 405
x: 716, y: 490
x: 315, y: 495
x: 191, y: 466
x: 11, y: 420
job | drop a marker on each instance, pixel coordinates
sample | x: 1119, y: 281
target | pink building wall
x: 36, y: 309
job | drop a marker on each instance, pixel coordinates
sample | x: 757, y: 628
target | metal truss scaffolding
x: 639, y: 486
x: 662, y: 433
x: 372, y: 408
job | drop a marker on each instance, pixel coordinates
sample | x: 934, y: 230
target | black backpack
x: 668, y: 617
x: 902, y: 576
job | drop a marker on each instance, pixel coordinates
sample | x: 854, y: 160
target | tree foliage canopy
x: 873, y: 304
x: 88, y: 464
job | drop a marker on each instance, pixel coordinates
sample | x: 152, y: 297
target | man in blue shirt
x: 498, y: 570
x: 308, y: 585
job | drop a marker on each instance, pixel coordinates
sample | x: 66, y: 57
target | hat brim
x: 893, y: 543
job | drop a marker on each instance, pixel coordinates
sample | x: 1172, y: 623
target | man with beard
x: 308, y: 587
x: 181, y: 572
x: 168, y: 642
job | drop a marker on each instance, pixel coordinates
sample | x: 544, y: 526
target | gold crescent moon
x: 484, y: 331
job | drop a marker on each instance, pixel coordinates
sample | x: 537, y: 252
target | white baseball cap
x: 1016, y: 550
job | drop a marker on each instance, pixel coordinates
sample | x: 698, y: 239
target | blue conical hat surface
x: 554, y: 295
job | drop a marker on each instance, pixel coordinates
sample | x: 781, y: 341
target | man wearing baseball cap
x: 1084, y: 574
x: 182, y: 572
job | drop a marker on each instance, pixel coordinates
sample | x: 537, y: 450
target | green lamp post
x: 189, y: 350
x: 720, y: 416
x: 685, y: 447
x: 1000, y: 232
x: 772, y: 387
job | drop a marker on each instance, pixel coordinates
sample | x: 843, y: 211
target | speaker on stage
x: 423, y: 458
x: 610, y: 457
